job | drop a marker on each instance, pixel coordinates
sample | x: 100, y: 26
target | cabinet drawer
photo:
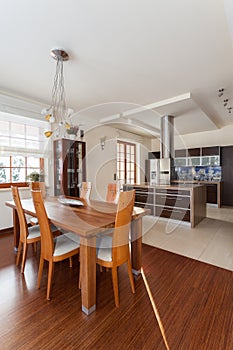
x: 173, y: 192
x: 146, y: 206
x: 143, y: 189
x: 144, y: 198
x: 173, y: 201
x: 173, y: 213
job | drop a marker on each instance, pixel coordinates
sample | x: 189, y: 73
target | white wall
x: 220, y: 137
x: 6, y: 212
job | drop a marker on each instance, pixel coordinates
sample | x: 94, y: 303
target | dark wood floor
x: 194, y: 301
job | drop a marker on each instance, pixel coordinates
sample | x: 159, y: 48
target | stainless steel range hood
x: 167, y: 137
x: 166, y: 149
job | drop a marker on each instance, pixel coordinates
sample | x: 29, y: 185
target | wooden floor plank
x: 194, y: 301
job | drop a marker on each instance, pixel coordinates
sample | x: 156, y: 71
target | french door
x: 126, y: 162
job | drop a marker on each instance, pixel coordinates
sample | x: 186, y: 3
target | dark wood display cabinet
x: 69, y: 167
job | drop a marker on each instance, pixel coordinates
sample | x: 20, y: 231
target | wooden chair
x: 113, y: 250
x: 85, y: 190
x: 28, y: 235
x: 52, y: 249
x: 112, y: 193
x: 37, y: 186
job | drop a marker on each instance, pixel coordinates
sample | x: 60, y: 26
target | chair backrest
x: 22, y: 219
x: 85, y: 190
x: 120, y: 243
x: 47, y: 243
x: 112, y: 193
x: 39, y: 186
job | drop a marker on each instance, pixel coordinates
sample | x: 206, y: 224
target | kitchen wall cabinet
x: 179, y: 153
x: 194, y: 152
x: 211, y: 151
x: 202, y: 156
x: 69, y: 166
x: 154, y: 155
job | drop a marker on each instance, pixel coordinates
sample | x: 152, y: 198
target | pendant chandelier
x: 58, y: 113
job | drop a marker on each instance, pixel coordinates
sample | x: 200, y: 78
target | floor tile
x: 211, y: 241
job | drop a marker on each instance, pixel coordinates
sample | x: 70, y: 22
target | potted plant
x: 73, y: 130
x: 35, y: 176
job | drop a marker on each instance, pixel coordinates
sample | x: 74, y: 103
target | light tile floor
x: 211, y: 241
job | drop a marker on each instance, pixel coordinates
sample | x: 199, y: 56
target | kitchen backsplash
x: 200, y: 173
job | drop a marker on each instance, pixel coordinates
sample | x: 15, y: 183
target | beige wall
x: 102, y: 164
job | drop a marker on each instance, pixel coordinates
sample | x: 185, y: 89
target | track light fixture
x: 225, y: 102
x: 220, y: 92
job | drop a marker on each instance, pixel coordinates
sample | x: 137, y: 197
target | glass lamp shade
x: 48, y: 133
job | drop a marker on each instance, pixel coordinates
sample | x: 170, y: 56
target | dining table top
x: 86, y: 220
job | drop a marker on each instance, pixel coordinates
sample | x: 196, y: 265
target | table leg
x: 136, y: 246
x: 88, y: 274
x: 16, y: 229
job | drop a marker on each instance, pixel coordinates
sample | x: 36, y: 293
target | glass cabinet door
x: 180, y: 161
x: 69, y: 166
x: 194, y: 161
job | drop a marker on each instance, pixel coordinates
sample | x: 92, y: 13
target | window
x: 22, y: 146
x: 126, y: 162
x: 15, y: 169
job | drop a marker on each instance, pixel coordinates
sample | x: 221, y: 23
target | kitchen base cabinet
x: 173, y: 213
x: 144, y: 197
x: 211, y: 193
x: 213, y: 189
x: 183, y: 203
x: 173, y: 204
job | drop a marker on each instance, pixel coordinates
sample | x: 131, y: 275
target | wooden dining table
x: 86, y: 221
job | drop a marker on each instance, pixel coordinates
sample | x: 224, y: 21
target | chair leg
x: 115, y: 285
x: 25, y: 248
x: 19, y: 252
x: 130, y: 275
x: 40, y: 272
x: 50, y: 276
x: 71, y: 261
x: 80, y: 276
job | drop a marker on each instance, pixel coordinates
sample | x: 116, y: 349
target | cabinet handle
x: 170, y: 197
x: 174, y: 210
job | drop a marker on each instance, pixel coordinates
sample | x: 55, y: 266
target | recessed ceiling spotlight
x: 225, y: 102
x: 220, y: 92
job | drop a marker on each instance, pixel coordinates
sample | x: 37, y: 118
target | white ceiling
x: 169, y: 56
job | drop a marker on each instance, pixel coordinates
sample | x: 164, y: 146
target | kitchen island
x: 213, y: 189
x: 181, y: 202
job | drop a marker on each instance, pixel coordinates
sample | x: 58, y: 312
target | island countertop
x: 178, y: 186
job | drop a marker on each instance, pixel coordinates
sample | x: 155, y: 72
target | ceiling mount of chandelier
x: 58, y: 112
